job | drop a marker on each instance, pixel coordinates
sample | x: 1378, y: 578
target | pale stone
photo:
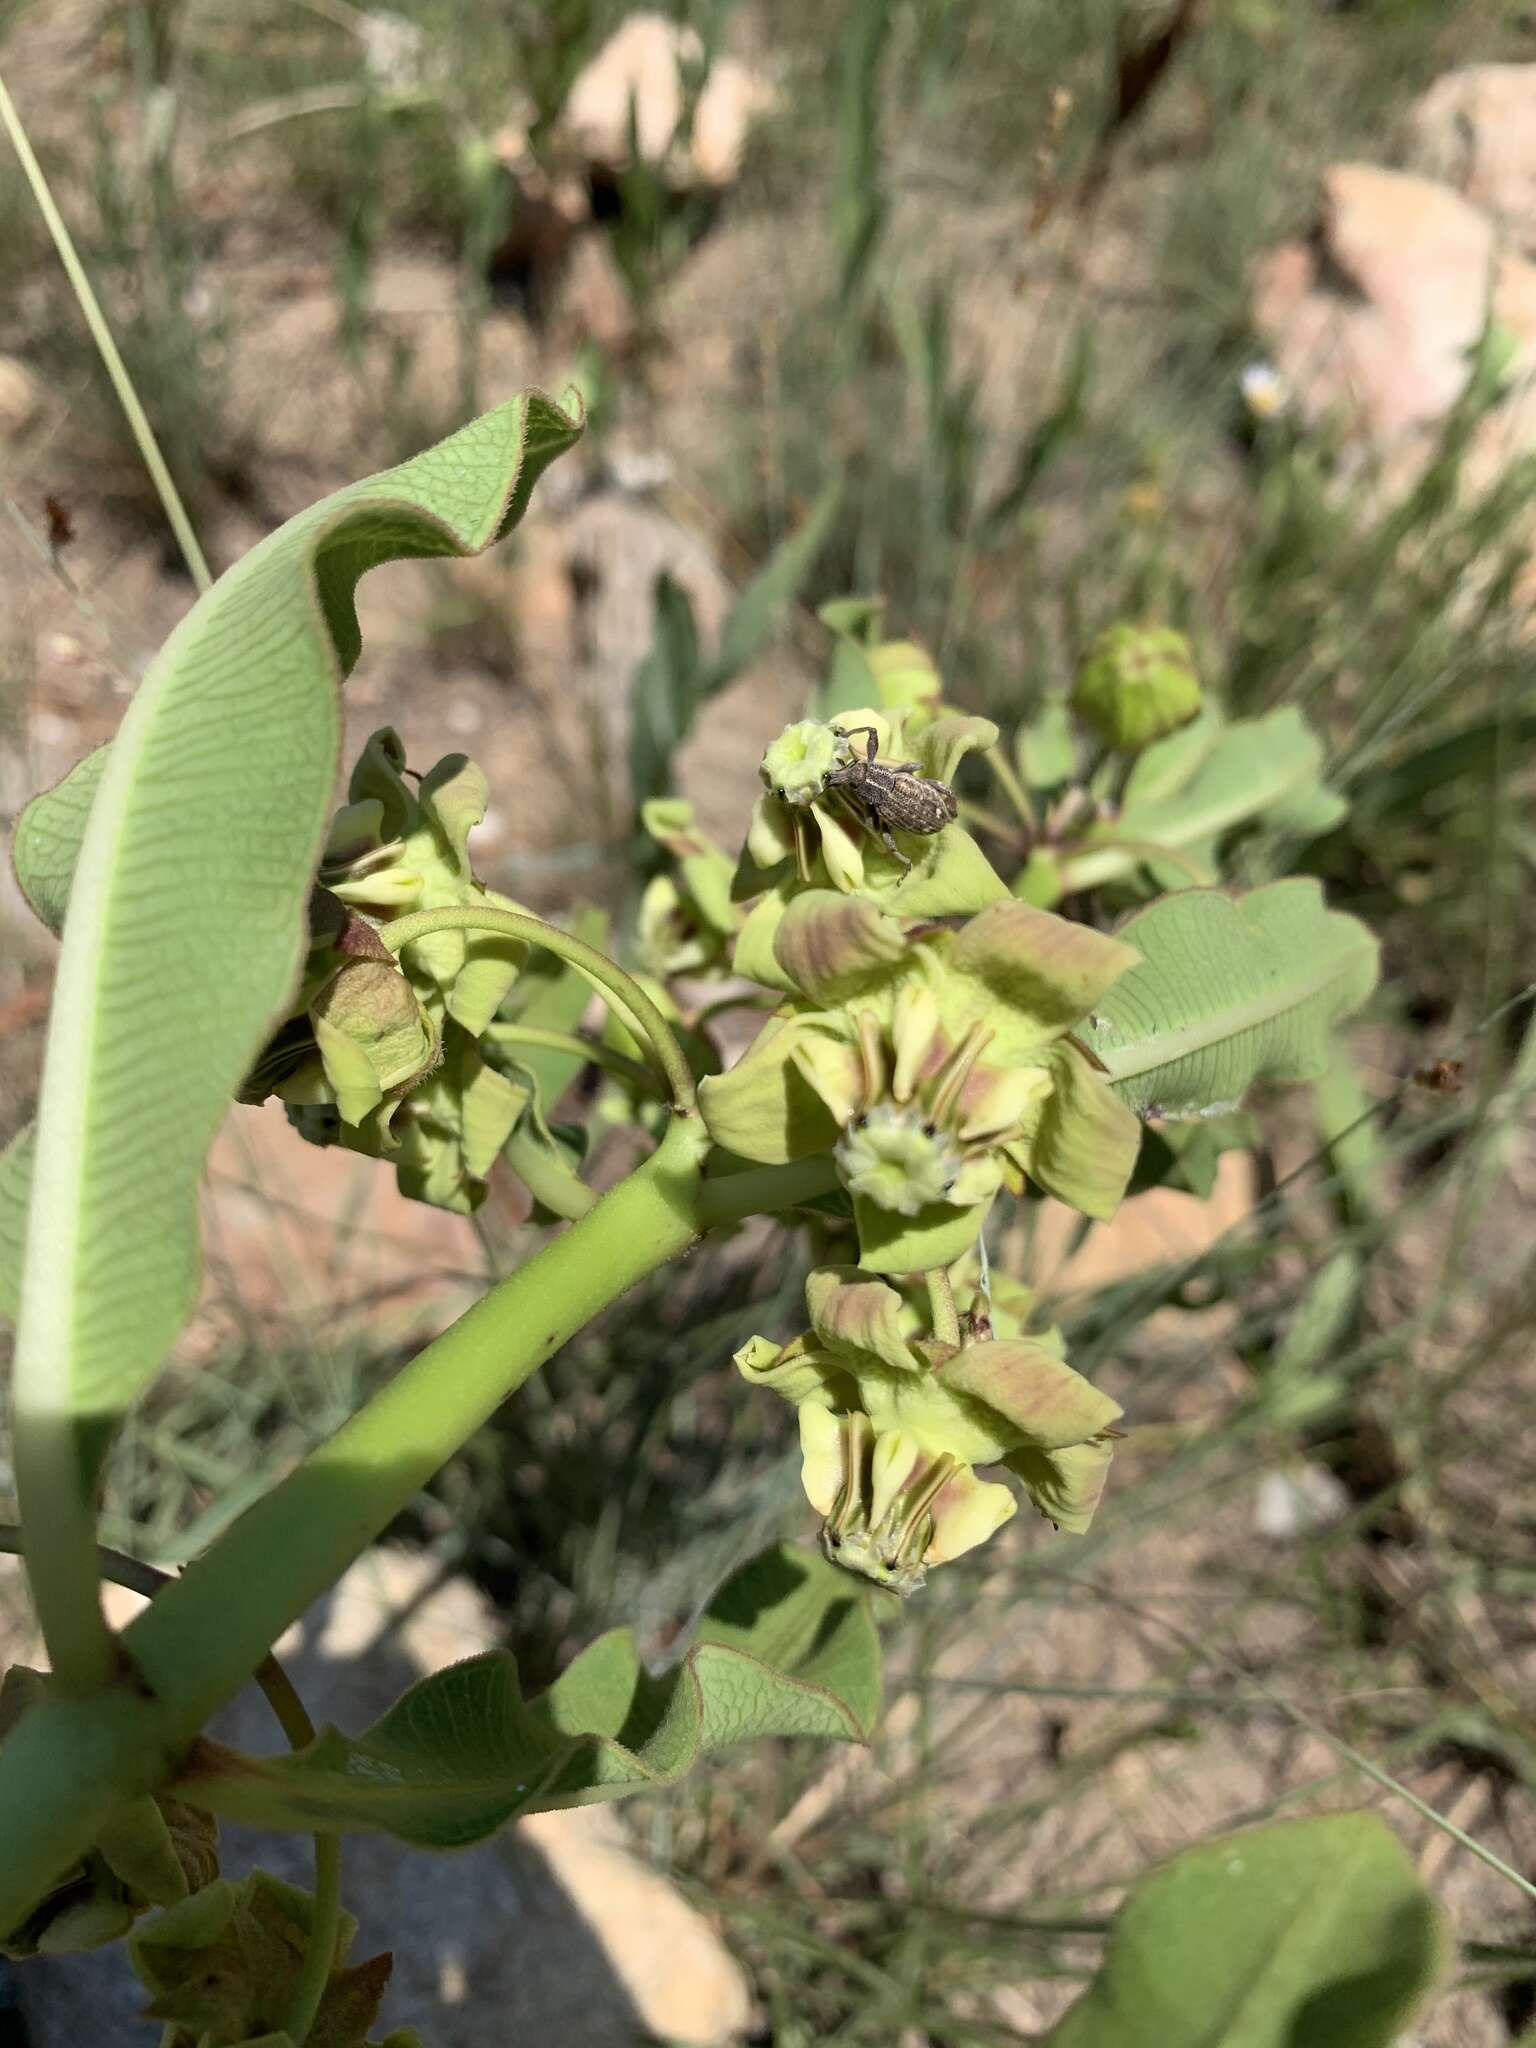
x: 1476, y: 129
x: 643, y: 61
x: 1374, y: 324
x: 21, y: 397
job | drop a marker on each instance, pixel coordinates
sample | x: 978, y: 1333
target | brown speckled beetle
x: 893, y: 793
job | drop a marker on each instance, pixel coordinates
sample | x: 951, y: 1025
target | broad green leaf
x: 1187, y: 1157
x: 788, y: 1647
x: 47, y: 839
x: 223, y: 1966
x: 1265, y: 769
x: 1228, y: 991
x: 1046, y: 747
x: 1302, y: 1934
x: 185, y: 925
x: 15, y: 1186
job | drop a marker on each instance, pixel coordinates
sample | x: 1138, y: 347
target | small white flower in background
x: 1298, y: 1503
x: 1265, y: 392
x: 392, y: 50
x: 635, y: 471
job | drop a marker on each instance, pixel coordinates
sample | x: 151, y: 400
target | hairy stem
x: 70, y: 1758
x: 942, y: 1312
x: 635, y: 1005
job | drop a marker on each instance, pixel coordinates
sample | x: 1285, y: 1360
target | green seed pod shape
x: 1137, y: 684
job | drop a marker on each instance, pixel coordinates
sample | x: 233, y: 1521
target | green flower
x: 893, y: 1423
x: 1138, y: 684
x: 936, y: 1069
x: 797, y: 764
x: 813, y: 837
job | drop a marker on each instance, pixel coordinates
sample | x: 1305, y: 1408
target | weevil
x: 893, y: 792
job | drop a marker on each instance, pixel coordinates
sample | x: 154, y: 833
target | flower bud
x: 1138, y: 684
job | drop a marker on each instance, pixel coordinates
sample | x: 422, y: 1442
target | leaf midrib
x: 1166, y: 1049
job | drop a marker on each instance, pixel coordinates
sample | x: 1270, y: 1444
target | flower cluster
x: 936, y: 1067
x: 926, y: 1046
x: 893, y: 1422
x: 805, y: 836
x: 384, y: 1057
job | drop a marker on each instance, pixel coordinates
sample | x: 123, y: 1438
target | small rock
x: 645, y: 60
x: 1374, y: 323
x: 1475, y: 128
x: 21, y: 397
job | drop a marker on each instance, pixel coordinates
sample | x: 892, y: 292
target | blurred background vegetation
x: 965, y: 315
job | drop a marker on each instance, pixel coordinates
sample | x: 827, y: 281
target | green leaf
x: 1046, y: 748
x: 1267, y: 769
x: 1187, y: 1157
x: 1302, y: 1934
x: 47, y: 839
x: 186, y: 925
x: 223, y: 1966
x: 788, y: 1647
x: 1229, y: 991
x: 15, y: 1186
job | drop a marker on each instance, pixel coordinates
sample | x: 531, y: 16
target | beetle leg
x: 879, y: 825
x: 851, y: 732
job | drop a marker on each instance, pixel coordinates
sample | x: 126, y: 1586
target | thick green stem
x: 605, y: 974
x: 942, y: 1313
x: 732, y: 1197
x: 70, y: 1758
x: 293, y: 1718
x: 59, y: 1545
x: 204, y: 1634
